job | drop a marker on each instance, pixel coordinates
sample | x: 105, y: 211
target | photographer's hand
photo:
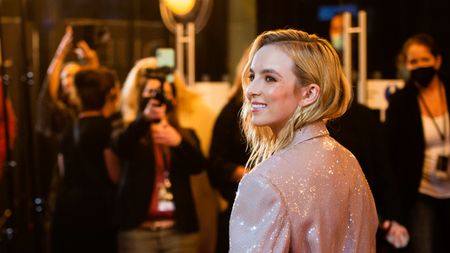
x: 153, y: 111
x: 165, y: 134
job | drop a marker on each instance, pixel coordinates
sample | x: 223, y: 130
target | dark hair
x: 421, y: 39
x: 93, y: 86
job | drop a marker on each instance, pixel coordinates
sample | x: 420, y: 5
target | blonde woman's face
x: 271, y: 90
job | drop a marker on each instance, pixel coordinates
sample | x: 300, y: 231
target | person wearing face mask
x: 156, y: 210
x: 335, y: 33
x: 417, y: 124
x: 361, y: 131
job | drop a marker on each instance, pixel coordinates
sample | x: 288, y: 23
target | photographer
x: 156, y: 208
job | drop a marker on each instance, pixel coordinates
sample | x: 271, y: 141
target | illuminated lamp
x: 185, y: 18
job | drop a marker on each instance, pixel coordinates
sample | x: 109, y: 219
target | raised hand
x: 397, y: 235
x: 87, y: 54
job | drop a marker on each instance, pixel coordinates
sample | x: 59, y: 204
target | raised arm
x: 54, y: 70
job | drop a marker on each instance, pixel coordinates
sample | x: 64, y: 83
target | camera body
x: 159, y: 74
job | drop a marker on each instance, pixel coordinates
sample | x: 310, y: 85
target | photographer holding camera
x: 156, y: 209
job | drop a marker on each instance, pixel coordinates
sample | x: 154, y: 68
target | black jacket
x: 227, y: 151
x: 360, y: 131
x: 406, y: 140
x: 134, y: 147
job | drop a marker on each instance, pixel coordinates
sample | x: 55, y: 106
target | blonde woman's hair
x: 134, y: 83
x: 315, y: 62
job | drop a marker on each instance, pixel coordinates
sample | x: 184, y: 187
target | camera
x: 159, y: 74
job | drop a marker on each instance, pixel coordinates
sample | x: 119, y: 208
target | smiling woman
x: 293, y: 84
x: 272, y: 90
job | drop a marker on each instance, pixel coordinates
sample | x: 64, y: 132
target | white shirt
x: 431, y: 184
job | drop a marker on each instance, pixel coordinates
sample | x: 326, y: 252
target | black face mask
x: 423, y: 76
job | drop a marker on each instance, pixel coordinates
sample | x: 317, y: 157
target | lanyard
x: 443, y: 133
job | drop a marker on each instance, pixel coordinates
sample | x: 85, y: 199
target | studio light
x: 180, y: 7
x: 185, y: 18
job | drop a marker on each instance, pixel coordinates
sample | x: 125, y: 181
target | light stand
x: 185, y: 35
x: 185, y: 18
x: 361, y: 31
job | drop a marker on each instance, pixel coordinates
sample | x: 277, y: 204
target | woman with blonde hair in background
x: 156, y: 210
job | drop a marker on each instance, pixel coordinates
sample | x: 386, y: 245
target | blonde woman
x: 305, y: 193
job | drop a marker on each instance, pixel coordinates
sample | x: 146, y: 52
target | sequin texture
x: 309, y: 197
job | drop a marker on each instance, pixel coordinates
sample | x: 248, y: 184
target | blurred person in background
x: 360, y: 131
x: 58, y: 102
x: 10, y: 124
x: 58, y: 105
x: 83, y: 217
x: 228, y: 155
x: 417, y: 122
x: 156, y: 210
x: 196, y: 114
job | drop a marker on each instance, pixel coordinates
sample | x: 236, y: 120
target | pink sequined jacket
x: 311, y: 196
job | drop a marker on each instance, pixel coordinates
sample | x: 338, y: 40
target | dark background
x: 389, y: 24
x: 136, y: 30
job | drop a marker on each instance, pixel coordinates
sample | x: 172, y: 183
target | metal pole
x: 362, y: 64
x: 179, y: 34
x: 347, y: 45
x: 191, y: 53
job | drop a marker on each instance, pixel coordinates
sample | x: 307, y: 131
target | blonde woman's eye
x: 251, y: 77
x: 270, y: 79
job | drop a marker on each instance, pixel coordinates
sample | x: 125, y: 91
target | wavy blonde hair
x: 315, y: 62
x: 134, y: 83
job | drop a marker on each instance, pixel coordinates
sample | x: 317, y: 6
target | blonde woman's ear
x: 309, y: 94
